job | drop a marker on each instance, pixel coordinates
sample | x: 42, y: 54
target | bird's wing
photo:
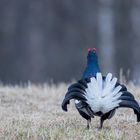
x: 75, y: 91
x: 84, y: 109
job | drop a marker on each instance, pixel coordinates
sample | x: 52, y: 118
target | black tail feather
x: 81, y: 91
x: 75, y: 91
x: 84, y: 82
x: 77, y: 85
x: 126, y: 93
x: 72, y: 95
x: 128, y: 98
x: 123, y: 88
x: 131, y: 104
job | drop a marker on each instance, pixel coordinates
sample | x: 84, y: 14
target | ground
x: 33, y: 112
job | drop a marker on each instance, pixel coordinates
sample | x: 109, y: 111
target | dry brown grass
x: 34, y: 113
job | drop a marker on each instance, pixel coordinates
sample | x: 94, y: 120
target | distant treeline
x: 46, y: 40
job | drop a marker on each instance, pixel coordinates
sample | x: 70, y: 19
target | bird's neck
x: 91, y: 70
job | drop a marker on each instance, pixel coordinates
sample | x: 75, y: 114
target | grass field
x: 33, y: 112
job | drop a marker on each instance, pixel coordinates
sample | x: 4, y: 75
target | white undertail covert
x: 102, y: 95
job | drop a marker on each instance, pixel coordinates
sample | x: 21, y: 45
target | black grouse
x: 97, y: 95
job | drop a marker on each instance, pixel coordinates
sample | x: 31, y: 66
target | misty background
x: 45, y: 40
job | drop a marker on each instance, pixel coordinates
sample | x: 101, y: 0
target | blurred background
x: 47, y: 40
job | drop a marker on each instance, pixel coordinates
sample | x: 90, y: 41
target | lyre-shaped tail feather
x: 75, y: 91
x: 131, y: 104
x: 128, y: 94
x: 128, y: 101
x: 78, y: 85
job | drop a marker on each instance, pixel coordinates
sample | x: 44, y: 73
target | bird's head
x: 92, y: 56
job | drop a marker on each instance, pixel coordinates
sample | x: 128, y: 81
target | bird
x: 98, y: 95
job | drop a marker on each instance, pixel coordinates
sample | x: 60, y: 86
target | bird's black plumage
x: 77, y: 91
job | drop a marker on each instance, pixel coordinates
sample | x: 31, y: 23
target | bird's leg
x: 101, y: 123
x: 106, y: 116
x: 88, y: 123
